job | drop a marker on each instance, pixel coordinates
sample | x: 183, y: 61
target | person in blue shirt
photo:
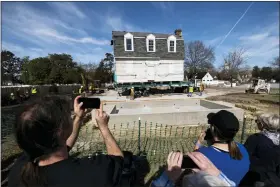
x: 206, y: 174
x: 227, y: 155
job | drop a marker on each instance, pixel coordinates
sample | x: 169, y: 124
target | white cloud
x: 167, y: 8
x: 21, y: 51
x: 118, y: 24
x: 54, y: 34
x: 214, y: 41
x: 255, y: 37
x: 93, y: 55
x: 68, y: 8
x: 261, y: 45
x: 28, y: 24
x: 39, y: 33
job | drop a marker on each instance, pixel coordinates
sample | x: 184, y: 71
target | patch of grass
x: 252, y: 103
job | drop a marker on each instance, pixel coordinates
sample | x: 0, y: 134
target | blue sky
x: 83, y: 29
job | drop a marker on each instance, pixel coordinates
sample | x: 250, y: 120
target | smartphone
x: 89, y: 102
x: 188, y: 162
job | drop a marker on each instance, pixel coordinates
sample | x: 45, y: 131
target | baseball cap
x: 226, y: 123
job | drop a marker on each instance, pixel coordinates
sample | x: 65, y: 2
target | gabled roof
x: 143, y: 34
x: 201, y: 75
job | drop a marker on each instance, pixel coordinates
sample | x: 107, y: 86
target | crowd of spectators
x: 46, y: 133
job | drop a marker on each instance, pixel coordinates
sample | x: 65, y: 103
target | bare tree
x: 276, y: 62
x: 234, y: 62
x: 198, y: 57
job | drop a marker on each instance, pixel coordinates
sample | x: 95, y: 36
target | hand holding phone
x: 188, y: 163
x: 89, y: 102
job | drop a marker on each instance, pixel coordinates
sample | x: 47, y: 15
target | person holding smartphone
x: 202, y: 173
x: 46, y: 133
x: 227, y: 155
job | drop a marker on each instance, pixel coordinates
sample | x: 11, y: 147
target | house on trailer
x: 148, y: 57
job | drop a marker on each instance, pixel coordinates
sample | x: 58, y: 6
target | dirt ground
x: 252, y: 103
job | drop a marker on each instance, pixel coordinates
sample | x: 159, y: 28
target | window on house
x: 151, y: 45
x: 171, y: 43
x: 172, y: 46
x: 129, y: 44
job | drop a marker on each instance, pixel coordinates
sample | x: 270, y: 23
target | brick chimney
x: 178, y: 32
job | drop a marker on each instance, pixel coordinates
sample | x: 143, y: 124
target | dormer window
x: 151, y: 43
x: 171, y: 43
x: 128, y: 42
x: 172, y: 46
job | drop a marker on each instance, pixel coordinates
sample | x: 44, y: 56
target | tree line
x: 268, y: 72
x: 200, y: 58
x: 62, y: 69
x: 54, y: 68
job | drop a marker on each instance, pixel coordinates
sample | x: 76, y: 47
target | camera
x: 208, y: 135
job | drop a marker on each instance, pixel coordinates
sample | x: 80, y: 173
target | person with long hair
x: 227, y: 155
x: 46, y: 133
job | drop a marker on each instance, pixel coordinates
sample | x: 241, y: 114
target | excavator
x: 258, y: 86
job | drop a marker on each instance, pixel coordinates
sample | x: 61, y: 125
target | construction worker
x: 26, y: 95
x: 81, y: 90
x: 12, y: 99
x: 91, y: 88
x: 201, y: 88
x: 19, y: 95
x: 34, y: 91
x: 190, y: 91
x: 132, y: 93
x: 12, y: 96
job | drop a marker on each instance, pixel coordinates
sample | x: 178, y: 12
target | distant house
x: 205, y: 77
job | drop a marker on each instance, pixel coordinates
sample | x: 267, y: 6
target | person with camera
x: 203, y: 173
x: 46, y: 133
x: 227, y: 155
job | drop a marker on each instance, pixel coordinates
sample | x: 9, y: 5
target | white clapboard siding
x: 142, y: 71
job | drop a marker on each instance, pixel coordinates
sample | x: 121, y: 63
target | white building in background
x: 207, y: 79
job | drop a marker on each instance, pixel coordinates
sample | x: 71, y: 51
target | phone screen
x: 188, y: 163
x: 89, y: 102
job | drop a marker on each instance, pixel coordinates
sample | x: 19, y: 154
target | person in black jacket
x: 264, y: 152
x: 46, y: 133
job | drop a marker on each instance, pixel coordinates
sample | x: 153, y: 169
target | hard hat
x: 12, y: 93
x: 132, y: 87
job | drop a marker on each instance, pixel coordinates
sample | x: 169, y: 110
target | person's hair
x: 234, y: 151
x: 202, y: 179
x: 270, y: 122
x: 39, y: 130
